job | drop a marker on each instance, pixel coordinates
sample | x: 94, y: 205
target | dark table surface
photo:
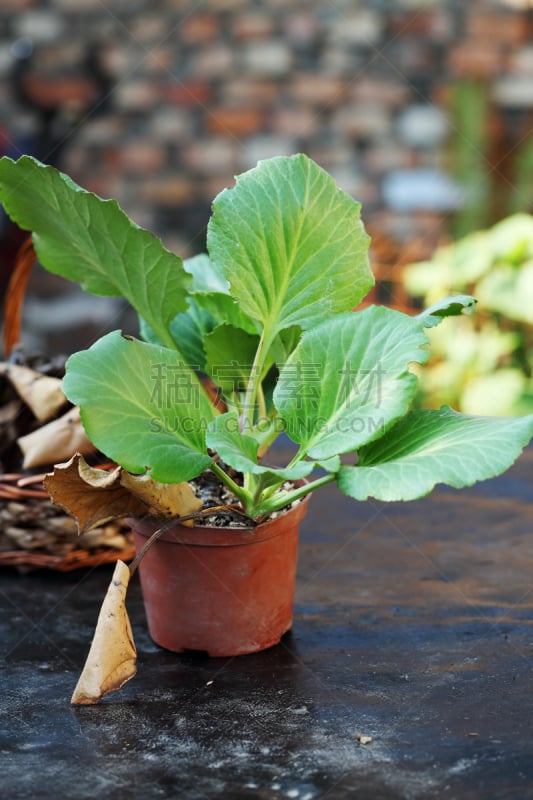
x: 413, y: 625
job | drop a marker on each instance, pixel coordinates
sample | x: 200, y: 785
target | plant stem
x: 261, y: 410
x: 255, y: 381
x: 244, y: 496
x: 282, y: 499
x: 265, y: 438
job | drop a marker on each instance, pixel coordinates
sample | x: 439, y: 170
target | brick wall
x: 159, y: 103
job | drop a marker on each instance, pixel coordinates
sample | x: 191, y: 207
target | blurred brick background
x: 159, y: 103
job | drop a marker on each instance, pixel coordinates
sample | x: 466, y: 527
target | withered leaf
x: 42, y: 393
x: 93, y: 496
x: 55, y: 441
x: 167, y: 499
x: 112, y: 657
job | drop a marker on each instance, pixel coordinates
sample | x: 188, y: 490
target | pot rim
x: 213, y: 536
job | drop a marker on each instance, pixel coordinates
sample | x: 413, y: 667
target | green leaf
x: 206, y: 279
x: 230, y: 356
x: 348, y: 380
x: 240, y: 450
x: 142, y: 407
x: 89, y: 240
x: 211, y: 291
x: 291, y: 243
x: 447, y: 307
x: 188, y: 331
x: 430, y: 447
x: 332, y: 464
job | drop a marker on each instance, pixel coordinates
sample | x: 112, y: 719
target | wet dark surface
x: 413, y: 625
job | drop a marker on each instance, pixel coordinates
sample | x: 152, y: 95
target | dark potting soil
x: 213, y: 493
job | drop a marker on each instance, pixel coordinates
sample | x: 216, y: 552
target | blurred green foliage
x: 483, y: 363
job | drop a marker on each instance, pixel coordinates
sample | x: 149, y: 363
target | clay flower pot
x: 226, y: 591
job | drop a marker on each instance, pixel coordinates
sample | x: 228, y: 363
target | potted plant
x: 268, y: 317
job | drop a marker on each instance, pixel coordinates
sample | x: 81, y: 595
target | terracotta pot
x: 226, y: 591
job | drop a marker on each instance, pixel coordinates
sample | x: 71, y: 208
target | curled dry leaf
x: 112, y: 657
x: 169, y: 500
x: 93, y: 496
x: 96, y: 496
x: 41, y: 393
x: 55, y: 442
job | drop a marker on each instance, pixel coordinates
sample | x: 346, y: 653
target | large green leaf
x: 348, y: 380
x: 430, y: 447
x: 89, y: 240
x: 291, y: 244
x: 141, y: 406
x: 240, y: 450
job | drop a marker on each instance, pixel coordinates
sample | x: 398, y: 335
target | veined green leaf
x: 211, y: 291
x: 447, y: 307
x: 240, y: 450
x: 429, y: 447
x: 230, y: 356
x: 142, y: 407
x: 291, y: 244
x: 92, y: 241
x: 348, y: 380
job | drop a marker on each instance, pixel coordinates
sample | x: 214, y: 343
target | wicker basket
x: 33, y: 532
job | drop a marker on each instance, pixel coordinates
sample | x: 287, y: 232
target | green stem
x: 282, y: 499
x: 261, y: 402
x: 244, y: 496
x: 265, y: 438
x: 166, y: 338
x: 255, y: 381
x: 297, y: 457
x: 273, y: 489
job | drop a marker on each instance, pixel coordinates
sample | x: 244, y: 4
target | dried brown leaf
x: 112, y: 657
x: 9, y: 412
x: 167, y: 499
x: 93, y: 496
x: 41, y: 393
x: 56, y: 441
x: 106, y: 536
